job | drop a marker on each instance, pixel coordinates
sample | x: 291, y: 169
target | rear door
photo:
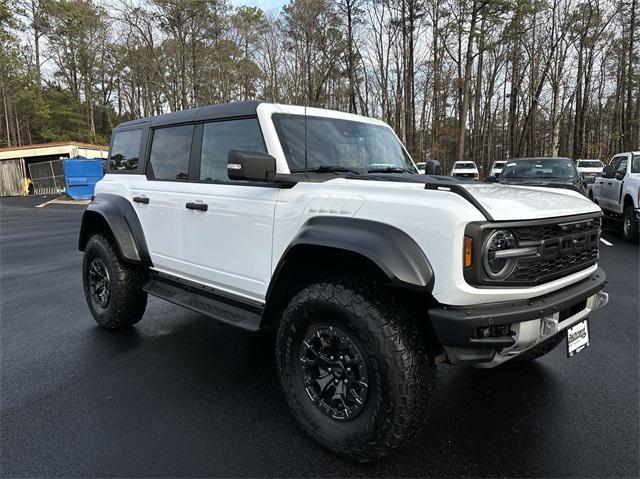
x: 228, y: 246
x: 160, y: 200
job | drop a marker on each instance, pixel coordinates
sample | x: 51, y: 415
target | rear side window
x: 125, y: 149
x: 635, y: 164
x: 170, y: 152
x: 219, y: 137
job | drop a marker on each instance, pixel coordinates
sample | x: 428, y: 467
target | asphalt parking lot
x: 182, y: 395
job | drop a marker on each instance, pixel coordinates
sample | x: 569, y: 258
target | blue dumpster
x: 81, y: 176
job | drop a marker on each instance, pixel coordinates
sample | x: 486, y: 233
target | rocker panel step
x: 208, y: 301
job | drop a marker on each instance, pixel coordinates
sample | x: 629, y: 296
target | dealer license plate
x: 577, y: 338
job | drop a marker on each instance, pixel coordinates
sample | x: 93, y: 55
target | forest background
x: 483, y: 80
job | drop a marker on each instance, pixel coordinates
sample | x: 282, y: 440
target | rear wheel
x: 113, y: 288
x: 630, y: 224
x: 354, y: 368
x: 542, y: 348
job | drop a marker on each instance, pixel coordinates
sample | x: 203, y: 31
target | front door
x: 608, y: 185
x: 617, y: 183
x: 228, y: 245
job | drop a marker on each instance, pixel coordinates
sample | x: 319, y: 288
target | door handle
x: 141, y: 199
x: 609, y: 184
x: 197, y: 206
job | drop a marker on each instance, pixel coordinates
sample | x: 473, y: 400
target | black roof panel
x: 210, y: 112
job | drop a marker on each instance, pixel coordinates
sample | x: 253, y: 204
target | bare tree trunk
x: 6, y: 110
x: 462, y: 133
x: 628, y: 132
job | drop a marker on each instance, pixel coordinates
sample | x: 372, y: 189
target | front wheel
x: 112, y: 287
x: 353, y: 367
x: 630, y: 225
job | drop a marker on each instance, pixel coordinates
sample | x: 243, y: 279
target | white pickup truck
x: 617, y: 192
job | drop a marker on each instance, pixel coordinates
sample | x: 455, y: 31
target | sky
x: 269, y: 6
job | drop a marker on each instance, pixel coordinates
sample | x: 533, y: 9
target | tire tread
x: 397, y: 335
x: 128, y: 300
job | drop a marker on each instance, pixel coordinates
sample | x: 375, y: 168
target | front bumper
x: 488, y: 335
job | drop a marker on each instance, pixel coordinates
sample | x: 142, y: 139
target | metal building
x: 42, y: 165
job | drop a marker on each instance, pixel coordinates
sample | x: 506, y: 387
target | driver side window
x: 219, y: 137
x: 613, y: 166
x: 621, y: 167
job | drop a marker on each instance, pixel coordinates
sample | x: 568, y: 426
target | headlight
x: 499, y: 264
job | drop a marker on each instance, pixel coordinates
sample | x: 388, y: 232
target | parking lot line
x: 42, y: 205
x: 606, y: 242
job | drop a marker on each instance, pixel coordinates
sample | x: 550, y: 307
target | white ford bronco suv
x: 315, y: 224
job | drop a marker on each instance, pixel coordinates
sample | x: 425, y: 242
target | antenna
x: 305, y: 140
x: 306, y: 102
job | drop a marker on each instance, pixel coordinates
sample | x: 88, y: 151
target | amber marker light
x: 468, y: 252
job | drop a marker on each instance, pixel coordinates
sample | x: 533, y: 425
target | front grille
x: 464, y: 175
x: 563, y: 248
x: 556, y: 230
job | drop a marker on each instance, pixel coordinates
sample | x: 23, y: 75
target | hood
x: 506, y: 203
x: 501, y: 202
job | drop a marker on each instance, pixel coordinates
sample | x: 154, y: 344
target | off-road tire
x: 127, y: 301
x: 542, y: 348
x: 629, y: 225
x: 394, y: 350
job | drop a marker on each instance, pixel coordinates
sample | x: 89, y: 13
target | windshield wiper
x: 390, y: 169
x: 327, y: 169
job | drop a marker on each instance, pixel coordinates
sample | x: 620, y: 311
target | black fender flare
x: 391, y: 249
x: 124, y: 224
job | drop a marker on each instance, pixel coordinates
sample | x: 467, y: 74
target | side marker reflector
x: 468, y: 252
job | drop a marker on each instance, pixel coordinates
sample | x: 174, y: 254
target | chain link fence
x: 47, y: 177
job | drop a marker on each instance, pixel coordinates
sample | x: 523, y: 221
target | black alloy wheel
x: 334, y: 371
x: 99, y: 284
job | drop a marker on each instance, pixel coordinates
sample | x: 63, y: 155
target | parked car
x: 314, y: 223
x: 496, y: 168
x: 589, y: 170
x: 617, y: 192
x: 421, y: 167
x: 465, y: 169
x: 545, y: 172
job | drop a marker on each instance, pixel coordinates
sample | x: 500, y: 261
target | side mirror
x: 432, y: 167
x: 607, y: 172
x: 251, y: 166
x: 492, y: 179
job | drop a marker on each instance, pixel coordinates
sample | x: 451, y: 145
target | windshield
x: 463, y: 165
x: 590, y: 164
x: 499, y: 164
x: 346, y: 144
x: 539, y: 169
